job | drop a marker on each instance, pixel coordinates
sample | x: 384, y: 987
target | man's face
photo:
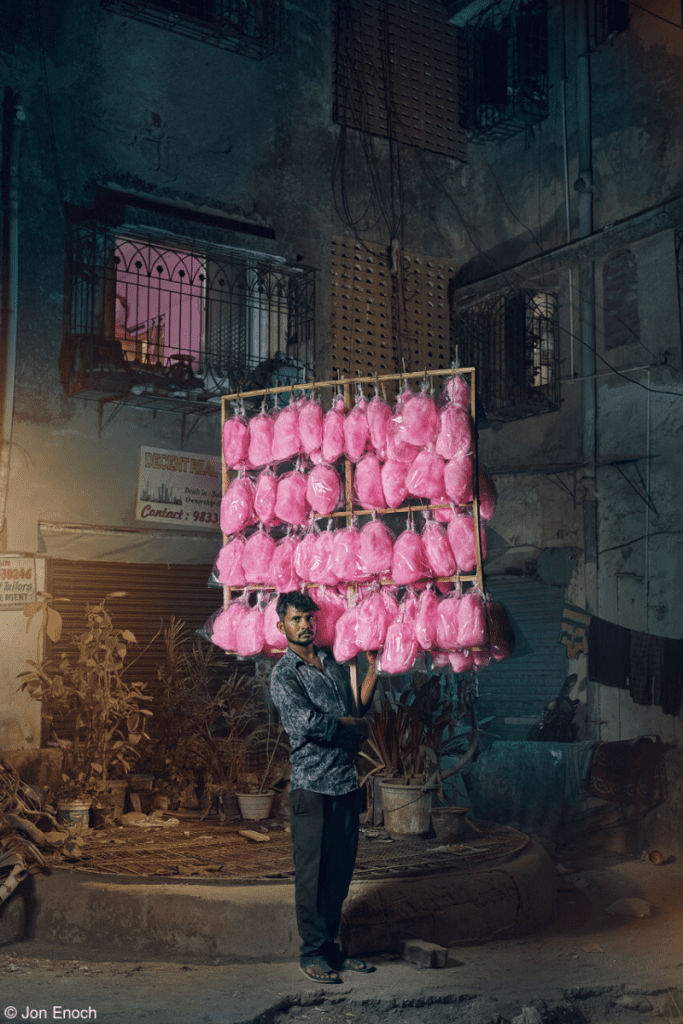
x: 298, y: 627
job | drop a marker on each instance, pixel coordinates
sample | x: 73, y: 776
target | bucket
x: 255, y: 806
x: 449, y: 822
x: 116, y: 789
x: 73, y: 812
x: 406, y: 808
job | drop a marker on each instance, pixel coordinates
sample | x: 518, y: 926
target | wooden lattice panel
x: 397, y: 73
x: 384, y: 321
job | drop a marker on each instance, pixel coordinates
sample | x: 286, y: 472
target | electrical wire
x: 652, y: 13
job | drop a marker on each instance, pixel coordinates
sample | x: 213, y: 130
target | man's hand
x: 359, y: 725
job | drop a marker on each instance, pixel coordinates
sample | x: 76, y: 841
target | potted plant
x: 90, y: 686
x: 267, y: 747
x: 209, y: 719
x: 408, y: 740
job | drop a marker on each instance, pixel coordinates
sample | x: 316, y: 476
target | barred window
x: 250, y: 27
x: 507, y: 69
x: 606, y: 19
x: 512, y: 339
x: 149, y: 314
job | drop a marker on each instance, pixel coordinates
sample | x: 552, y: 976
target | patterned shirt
x: 310, y: 702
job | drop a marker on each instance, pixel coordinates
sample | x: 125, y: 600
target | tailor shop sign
x: 178, y: 489
x: 17, y: 582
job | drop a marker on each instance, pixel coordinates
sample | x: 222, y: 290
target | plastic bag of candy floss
x: 229, y: 622
x: 346, y: 562
x: 378, y: 414
x: 229, y: 571
x: 425, y: 478
x: 236, y: 440
x: 265, y: 497
x: 419, y: 419
x: 251, y: 632
x: 261, y: 439
x: 462, y: 538
x: 461, y: 661
x: 447, y: 622
x: 311, y: 425
x: 284, y: 574
x: 304, y: 554
x: 394, y: 482
x: 257, y: 560
x: 333, y: 430
x: 472, y: 620
x: 376, y: 548
x: 331, y: 607
x: 291, y: 504
x: 457, y: 390
x: 501, y: 633
x: 320, y: 565
x: 440, y: 557
x: 323, y: 489
x: 457, y: 478
x: 345, y: 644
x: 374, y: 620
x: 367, y: 480
x: 356, y: 430
x: 409, y: 561
x: 455, y: 432
x: 425, y: 619
x: 400, y: 646
x: 237, y: 505
x: 273, y: 639
x: 286, y: 440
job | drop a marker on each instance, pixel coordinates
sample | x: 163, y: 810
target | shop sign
x: 17, y: 582
x: 179, y: 489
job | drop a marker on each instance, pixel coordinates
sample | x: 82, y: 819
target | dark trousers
x: 325, y: 840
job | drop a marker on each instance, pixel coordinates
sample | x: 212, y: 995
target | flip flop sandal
x: 326, y: 978
x: 358, y: 966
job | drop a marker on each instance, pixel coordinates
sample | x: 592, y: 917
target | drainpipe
x: 584, y: 187
x: 11, y: 309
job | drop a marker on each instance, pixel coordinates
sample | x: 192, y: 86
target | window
x: 507, y: 69
x: 607, y: 18
x: 250, y: 27
x: 397, y: 69
x: 154, y: 315
x: 512, y: 339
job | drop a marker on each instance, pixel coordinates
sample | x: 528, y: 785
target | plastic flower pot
x: 255, y: 806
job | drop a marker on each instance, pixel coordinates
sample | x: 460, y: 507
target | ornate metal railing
x: 148, y: 316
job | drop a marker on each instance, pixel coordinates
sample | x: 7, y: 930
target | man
x: 314, y: 697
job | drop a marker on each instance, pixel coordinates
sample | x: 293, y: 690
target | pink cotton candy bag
x: 286, y: 440
x: 226, y: 626
x: 356, y: 430
x: 457, y: 478
x: 265, y: 497
x: 235, y: 441
x: 304, y: 555
x: 284, y: 574
x: 331, y: 606
x: 419, y: 420
x: 472, y: 622
x: 425, y: 619
x: 378, y: 415
x: 229, y: 563
x: 399, y: 449
x: 425, y: 478
x: 374, y: 619
x: 311, y: 425
x: 409, y: 562
x: 461, y: 661
x: 291, y: 505
x: 462, y: 538
x: 237, y: 505
x: 440, y: 557
x: 346, y: 556
x: 251, y: 633
x: 345, y: 644
x: 393, y: 478
x: 333, y: 431
x: 447, y: 622
x: 323, y: 489
x: 261, y: 440
x: 457, y: 390
x: 272, y: 637
x: 455, y: 432
x: 400, y: 646
x: 320, y: 567
x: 376, y: 549
x: 257, y: 560
x: 368, y: 483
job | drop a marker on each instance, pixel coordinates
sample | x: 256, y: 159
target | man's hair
x: 303, y: 602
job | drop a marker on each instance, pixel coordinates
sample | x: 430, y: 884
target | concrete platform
x: 508, y: 898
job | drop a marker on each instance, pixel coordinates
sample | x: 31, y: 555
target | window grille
x: 507, y: 69
x: 606, y: 18
x: 512, y: 339
x: 150, y: 315
x: 397, y: 73
x: 250, y: 27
